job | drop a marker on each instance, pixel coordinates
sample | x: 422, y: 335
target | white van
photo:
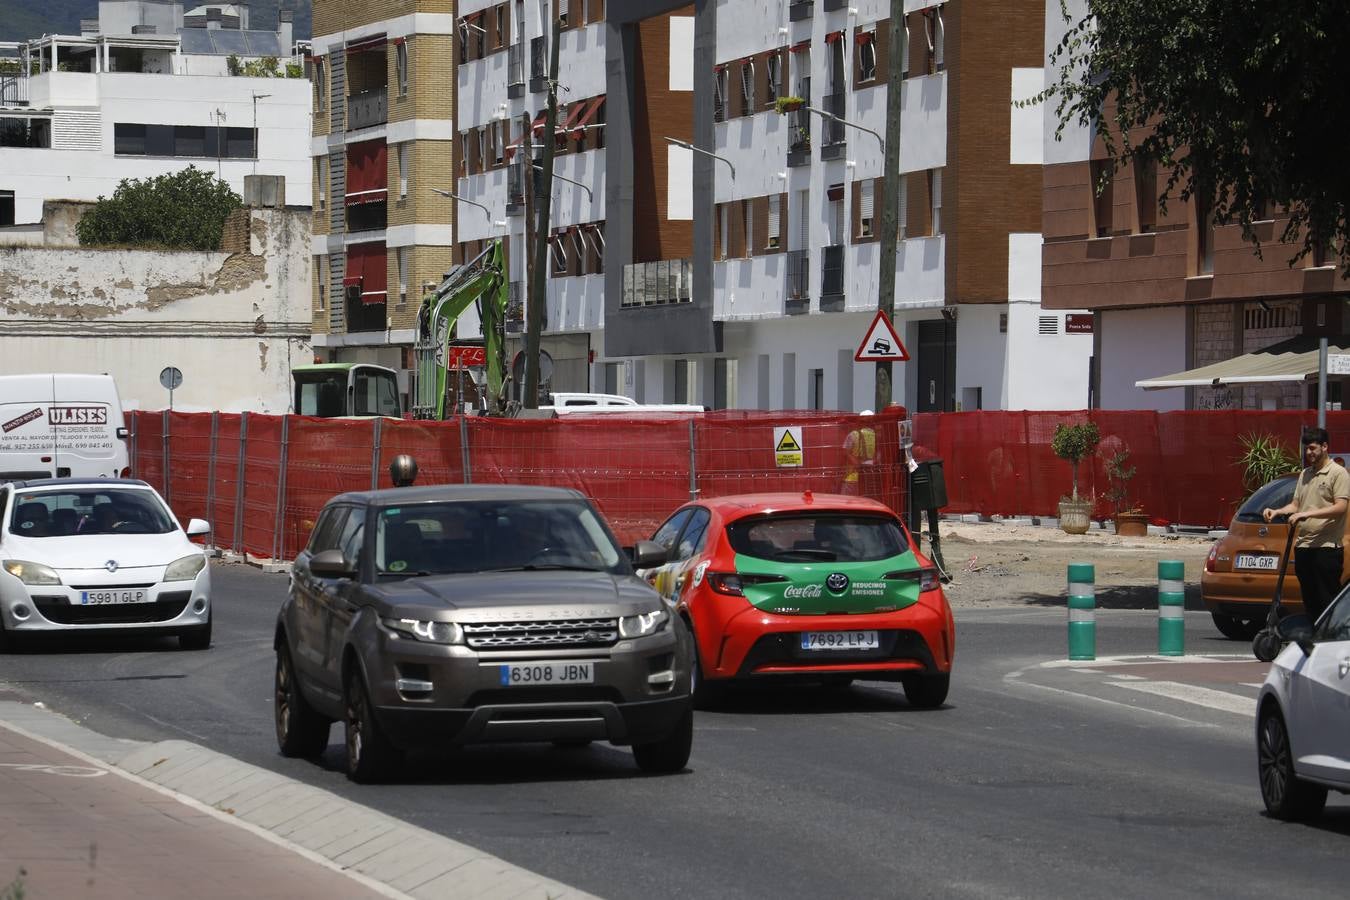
x: 61, y: 426
x: 564, y: 403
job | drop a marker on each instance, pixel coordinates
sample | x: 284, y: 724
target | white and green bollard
x: 1171, y: 608
x: 1082, y: 612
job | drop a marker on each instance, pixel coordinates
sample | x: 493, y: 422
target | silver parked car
x: 460, y: 614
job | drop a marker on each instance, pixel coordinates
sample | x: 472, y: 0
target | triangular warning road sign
x: 881, y: 343
x: 788, y: 444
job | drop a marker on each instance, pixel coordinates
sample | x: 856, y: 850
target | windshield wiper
x: 546, y: 567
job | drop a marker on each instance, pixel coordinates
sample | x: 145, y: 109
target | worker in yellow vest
x: 860, y: 453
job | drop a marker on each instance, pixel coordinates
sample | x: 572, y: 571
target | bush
x: 1263, y: 459
x: 185, y: 210
x: 1072, y: 443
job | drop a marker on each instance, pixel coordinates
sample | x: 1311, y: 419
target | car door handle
x: 1345, y: 666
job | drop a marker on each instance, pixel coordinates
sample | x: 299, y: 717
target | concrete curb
x: 316, y: 824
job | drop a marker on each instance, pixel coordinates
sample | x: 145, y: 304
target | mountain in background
x: 21, y: 20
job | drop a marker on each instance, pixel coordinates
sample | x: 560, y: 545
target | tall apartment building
x: 383, y: 101
x: 1171, y: 292
x: 144, y: 89
x: 744, y: 272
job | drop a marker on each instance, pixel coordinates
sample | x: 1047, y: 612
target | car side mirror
x: 1297, y: 630
x: 649, y: 553
x: 198, y: 526
x: 331, y: 564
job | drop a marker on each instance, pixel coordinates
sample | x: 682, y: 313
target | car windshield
x: 82, y: 511
x: 485, y: 536
x: 1273, y: 494
x: 817, y: 536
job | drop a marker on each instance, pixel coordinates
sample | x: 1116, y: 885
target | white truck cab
x: 57, y: 425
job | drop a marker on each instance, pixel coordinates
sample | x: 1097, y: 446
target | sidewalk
x: 69, y: 828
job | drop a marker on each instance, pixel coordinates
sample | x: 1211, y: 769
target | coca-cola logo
x: 802, y: 591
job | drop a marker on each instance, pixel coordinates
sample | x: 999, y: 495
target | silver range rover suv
x: 458, y: 614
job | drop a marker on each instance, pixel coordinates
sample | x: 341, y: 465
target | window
x: 748, y: 211
x: 1102, y: 196
x: 189, y: 140
x: 722, y: 231
x: 1146, y: 193
x: 867, y: 54
x: 6, y: 208
x: 463, y: 154
x: 670, y: 530
x: 558, y: 244
x: 694, y: 535
x: 803, y: 220
x: 401, y: 262
x: 240, y: 143
x: 747, y: 87
x: 499, y: 138
x: 320, y: 84
x: 720, y: 94
x: 401, y: 58
x: 773, y: 66
x: 904, y: 53
x: 563, y: 17
x: 321, y: 271
x: 774, y: 240
x: 865, y: 208
x: 402, y: 171
x: 815, y: 388
x: 321, y: 181
x: 482, y: 147
x: 128, y: 140
x: 902, y: 216
x: 935, y: 192
x: 501, y: 25
x: 935, y: 32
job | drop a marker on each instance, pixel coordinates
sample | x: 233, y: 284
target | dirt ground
x: 997, y: 564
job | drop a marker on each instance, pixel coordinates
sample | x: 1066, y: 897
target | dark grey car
x: 456, y: 614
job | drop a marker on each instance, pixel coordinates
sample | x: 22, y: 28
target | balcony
x: 800, y: 10
x: 834, y: 5
x: 658, y: 282
x: 515, y: 71
x: 515, y: 189
x: 799, y: 139
x: 832, y: 278
x: 13, y: 89
x: 367, y: 109
x: 363, y: 316
x: 538, y: 66
x: 797, y: 299
x: 834, y: 144
x: 515, y: 307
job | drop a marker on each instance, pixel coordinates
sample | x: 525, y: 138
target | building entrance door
x: 936, y: 366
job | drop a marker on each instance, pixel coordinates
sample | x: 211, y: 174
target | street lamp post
x: 444, y: 193
x: 688, y: 146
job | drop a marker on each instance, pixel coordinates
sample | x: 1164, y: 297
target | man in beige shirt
x: 1318, y: 512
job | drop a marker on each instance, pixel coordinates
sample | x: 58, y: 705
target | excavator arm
x: 480, y: 282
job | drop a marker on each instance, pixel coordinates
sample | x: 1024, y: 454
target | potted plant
x: 1129, y: 517
x: 788, y: 104
x: 1073, y: 443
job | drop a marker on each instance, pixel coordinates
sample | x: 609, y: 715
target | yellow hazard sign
x: 787, y: 446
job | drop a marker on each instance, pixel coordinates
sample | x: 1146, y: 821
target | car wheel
x: 927, y: 691
x: 369, y: 753
x: 1236, y: 629
x: 670, y: 754
x: 1286, y: 795
x: 301, y: 731
x: 8, y: 642
x: 198, y: 637
x: 705, y: 694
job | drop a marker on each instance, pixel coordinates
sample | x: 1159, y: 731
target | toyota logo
x: 111, y: 565
x: 837, y: 582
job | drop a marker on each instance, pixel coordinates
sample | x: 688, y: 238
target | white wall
x: 234, y: 324
x: 1075, y: 144
x: 1138, y: 344
x: 981, y: 356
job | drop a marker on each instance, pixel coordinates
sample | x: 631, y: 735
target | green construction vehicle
x: 345, y: 390
x: 481, y: 282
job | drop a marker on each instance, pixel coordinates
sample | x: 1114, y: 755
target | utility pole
x: 534, y: 312
x: 890, y: 187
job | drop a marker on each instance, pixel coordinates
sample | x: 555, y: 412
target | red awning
x: 800, y: 46
x: 366, y: 266
x: 367, y: 172
x: 833, y: 36
x: 864, y: 37
x: 590, y: 108
x: 835, y: 192
x: 720, y: 67
x: 367, y: 44
x: 535, y: 127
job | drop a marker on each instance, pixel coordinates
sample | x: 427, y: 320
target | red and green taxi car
x: 826, y: 586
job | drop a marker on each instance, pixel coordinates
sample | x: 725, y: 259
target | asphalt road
x: 1009, y: 791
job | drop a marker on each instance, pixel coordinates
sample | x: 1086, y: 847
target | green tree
x: 1073, y: 443
x: 1242, y: 104
x: 185, y: 210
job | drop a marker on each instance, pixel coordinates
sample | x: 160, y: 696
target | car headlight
x: 185, y: 569
x: 31, y: 572
x: 643, y: 624
x: 432, y: 632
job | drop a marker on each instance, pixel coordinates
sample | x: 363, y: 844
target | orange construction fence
x: 261, y: 480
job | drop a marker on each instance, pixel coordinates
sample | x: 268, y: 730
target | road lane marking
x: 46, y: 769
x: 1121, y: 676
x: 1190, y: 693
x: 1015, y: 678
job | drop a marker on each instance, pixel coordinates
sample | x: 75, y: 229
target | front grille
x: 557, y: 693
x: 532, y: 635
x: 109, y: 587
x: 168, y: 606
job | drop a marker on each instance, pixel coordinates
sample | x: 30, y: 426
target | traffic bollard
x: 1082, y: 612
x: 1171, y: 608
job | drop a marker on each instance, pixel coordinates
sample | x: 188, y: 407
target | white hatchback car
x: 101, y: 554
x: 1303, y: 716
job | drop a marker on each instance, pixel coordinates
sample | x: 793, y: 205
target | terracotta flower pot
x: 1132, y: 524
x: 1075, y: 516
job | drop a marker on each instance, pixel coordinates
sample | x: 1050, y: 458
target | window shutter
x: 774, y: 225
x: 936, y: 189
x: 748, y: 235
x: 866, y: 198
x: 760, y: 215
x: 904, y: 53
x: 722, y: 231
x: 939, y: 38
x: 883, y: 45
x: 747, y: 87
x: 902, y: 217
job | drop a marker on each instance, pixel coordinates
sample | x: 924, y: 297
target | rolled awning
x: 1292, y: 360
